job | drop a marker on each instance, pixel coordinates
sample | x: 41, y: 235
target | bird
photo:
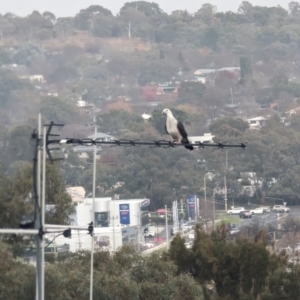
x: 175, y: 129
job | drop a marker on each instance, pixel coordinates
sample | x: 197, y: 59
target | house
x: 293, y: 111
x: 206, y: 138
x: 146, y: 117
x: 34, y: 78
x: 101, y: 137
x: 77, y: 193
x: 257, y: 123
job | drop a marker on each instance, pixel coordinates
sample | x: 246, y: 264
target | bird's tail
x: 186, y: 141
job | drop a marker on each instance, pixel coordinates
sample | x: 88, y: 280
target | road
x: 271, y: 217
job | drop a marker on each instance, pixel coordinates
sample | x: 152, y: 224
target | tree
x: 210, y: 38
x: 61, y: 206
x: 206, y: 13
x: 149, y: 9
x: 246, y: 68
x: 191, y: 91
x: 58, y: 110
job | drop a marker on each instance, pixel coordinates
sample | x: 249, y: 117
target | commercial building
x: 117, y: 223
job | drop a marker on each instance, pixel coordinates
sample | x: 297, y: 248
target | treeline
x: 214, y: 268
x: 272, y: 28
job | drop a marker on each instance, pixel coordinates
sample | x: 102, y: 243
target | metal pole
x: 43, y: 206
x: 214, y: 211
x: 225, y: 181
x: 205, y: 196
x: 274, y: 237
x: 139, y: 231
x: 231, y: 95
x: 114, y: 245
x: 181, y: 202
x: 167, y: 229
x: 19, y: 231
x: 38, y: 295
x: 93, y: 217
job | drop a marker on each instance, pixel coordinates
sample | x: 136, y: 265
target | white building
x: 206, y: 138
x: 117, y: 223
x: 257, y: 123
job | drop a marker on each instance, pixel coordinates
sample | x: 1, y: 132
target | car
x: 266, y: 208
x: 287, y: 249
x: 149, y: 233
x: 281, y: 209
x: 245, y: 214
x: 235, y: 210
x: 188, y: 245
x: 258, y: 211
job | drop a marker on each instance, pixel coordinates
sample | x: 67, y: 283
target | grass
x: 229, y: 219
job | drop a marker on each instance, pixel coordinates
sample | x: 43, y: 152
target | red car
x: 245, y: 214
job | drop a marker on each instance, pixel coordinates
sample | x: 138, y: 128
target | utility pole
x: 231, y: 95
x: 214, y: 211
x: 167, y: 230
x: 139, y: 231
x: 181, y: 203
x: 205, y: 202
x: 225, y: 180
x: 37, y: 224
x: 93, y: 213
x: 129, y: 30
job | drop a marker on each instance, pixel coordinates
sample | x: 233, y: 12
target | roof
x: 258, y: 119
x: 229, y: 69
x: 100, y: 135
x: 204, y: 71
x: 77, y: 193
x: 146, y: 116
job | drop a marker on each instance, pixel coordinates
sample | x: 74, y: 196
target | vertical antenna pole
x: 93, y: 216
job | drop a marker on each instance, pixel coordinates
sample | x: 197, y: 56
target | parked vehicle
x: 266, y: 208
x: 235, y: 210
x: 258, y: 211
x: 188, y: 245
x: 245, y: 214
x: 149, y: 233
x: 280, y: 209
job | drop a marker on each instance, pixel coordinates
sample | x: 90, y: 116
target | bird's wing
x: 181, y: 130
x: 166, y: 128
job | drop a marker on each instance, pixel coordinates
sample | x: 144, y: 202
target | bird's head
x: 167, y: 112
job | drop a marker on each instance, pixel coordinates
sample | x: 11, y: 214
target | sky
x: 69, y: 8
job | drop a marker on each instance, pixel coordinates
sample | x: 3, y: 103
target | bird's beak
x: 162, y: 112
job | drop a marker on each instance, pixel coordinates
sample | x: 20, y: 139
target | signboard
x: 145, y: 203
x: 124, y: 214
x: 175, y: 215
x: 191, y: 206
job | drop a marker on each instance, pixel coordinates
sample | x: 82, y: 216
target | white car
x: 149, y: 233
x: 188, y: 245
x: 280, y: 208
x: 235, y: 210
x: 258, y: 211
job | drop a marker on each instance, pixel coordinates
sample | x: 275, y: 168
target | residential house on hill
x: 257, y: 123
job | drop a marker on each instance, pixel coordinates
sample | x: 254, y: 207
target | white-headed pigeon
x: 175, y: 129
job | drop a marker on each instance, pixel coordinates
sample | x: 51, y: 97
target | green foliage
x: 9, y: 83
x: 149, y: 9
x: 246, y: 68
x: 191, y: 90
x: 56, y: 195
x: 117, y: 122
x: 229, y: 127
x: 58, y: 110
